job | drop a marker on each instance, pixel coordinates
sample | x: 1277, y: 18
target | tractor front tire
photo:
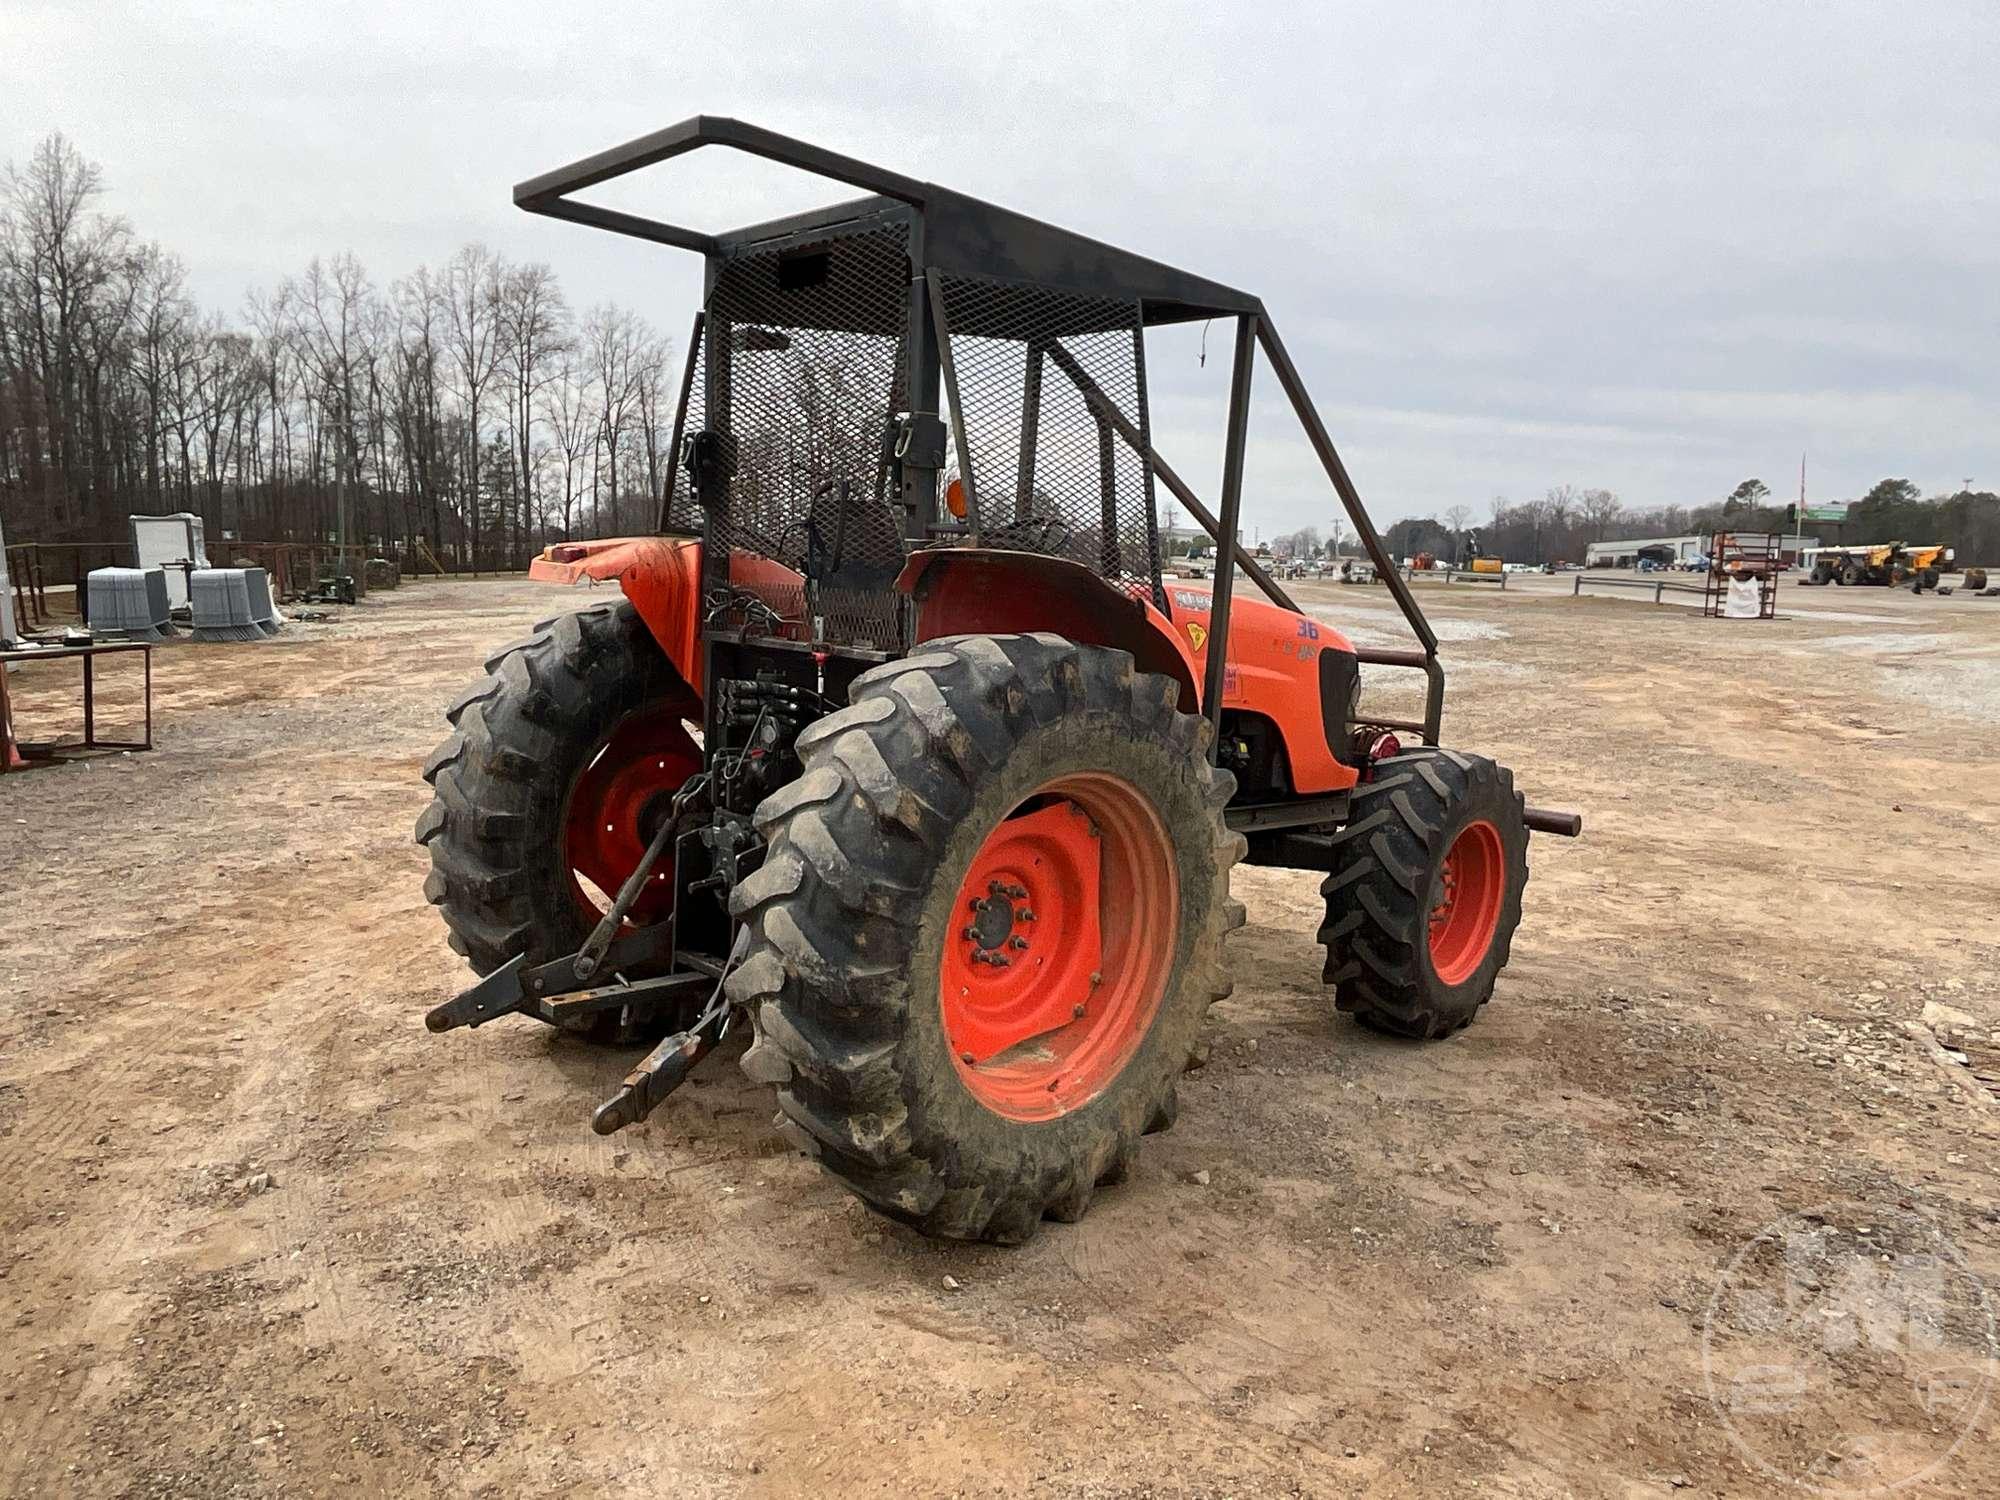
x: 987, y: 929
x: 543, y: 724
x: 1425, y: 892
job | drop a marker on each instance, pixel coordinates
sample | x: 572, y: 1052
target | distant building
x: 1672, y: 549
x: 1627, y: 553
x: 1792, y: 549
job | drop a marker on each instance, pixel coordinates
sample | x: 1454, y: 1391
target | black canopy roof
x: 958, y: 235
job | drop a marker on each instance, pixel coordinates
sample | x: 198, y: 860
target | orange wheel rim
x: 1061, y: 940
x: 1466, y: 912
x: 615, y: 806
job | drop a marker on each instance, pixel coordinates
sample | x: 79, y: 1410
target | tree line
x: 464, y: 406
x: 1559, y: 526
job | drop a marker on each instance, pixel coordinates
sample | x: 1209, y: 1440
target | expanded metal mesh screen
x: 681, y: 516
x: 1043, y: 378
x: 803, y: 367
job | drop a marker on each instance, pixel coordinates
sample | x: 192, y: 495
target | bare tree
x: 533, y: 323
x: 61, y: 268
x: 568, y: 406
x: 657, y: 396
x: 186, y: 398
x: 1559, y: 510
x: 337, y: 316
x: 472, y: 344
x: 1601, y: 509
x: 161, y: 312
x: 227, y: 378
x: 417, y: 399
x: 613, y: 340
x: 275, y: 324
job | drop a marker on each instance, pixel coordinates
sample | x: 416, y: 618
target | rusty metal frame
x: 36, y: 755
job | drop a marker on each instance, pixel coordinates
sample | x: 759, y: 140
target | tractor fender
x: 990, y: 591
x: 661, y: 575
x: 1285, y: 667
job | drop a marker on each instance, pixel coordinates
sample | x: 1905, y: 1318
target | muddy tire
x: 965, y: 787
x: 1425, y: 892
x: 523, y: 738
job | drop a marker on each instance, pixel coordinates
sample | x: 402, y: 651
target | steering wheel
x: 1036, y: 533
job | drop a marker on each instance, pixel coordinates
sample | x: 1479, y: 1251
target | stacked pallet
x: 232, y: 604
x: 129, y: 604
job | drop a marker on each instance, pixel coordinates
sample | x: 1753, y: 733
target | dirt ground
x: 260, y: 1233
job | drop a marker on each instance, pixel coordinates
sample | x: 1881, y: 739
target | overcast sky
x: 1654, y: 247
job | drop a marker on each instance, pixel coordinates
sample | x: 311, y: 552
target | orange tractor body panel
x: 661, y: 575
x: 1273, y: 662
x: 988, y: 592
x: 1273, y: 670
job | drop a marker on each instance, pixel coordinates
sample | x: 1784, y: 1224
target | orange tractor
x: 934, y: 786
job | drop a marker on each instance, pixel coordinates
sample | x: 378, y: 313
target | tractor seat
x: 853, y: 540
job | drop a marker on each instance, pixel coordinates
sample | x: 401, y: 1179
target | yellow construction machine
x: 1885, y: 564
x: 1473, y: 559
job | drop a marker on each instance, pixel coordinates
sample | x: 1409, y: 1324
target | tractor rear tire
x: 1425, y: 892
x: 1927, y: 578
x: 522, y: 737
x: 870, y: 954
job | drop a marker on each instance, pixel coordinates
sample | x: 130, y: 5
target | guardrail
x: 1659, y: 586
x: 1452, y: 575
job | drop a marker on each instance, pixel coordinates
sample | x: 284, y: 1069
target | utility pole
x: 1799, y: 519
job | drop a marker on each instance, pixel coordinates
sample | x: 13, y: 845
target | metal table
x: 19, y: 755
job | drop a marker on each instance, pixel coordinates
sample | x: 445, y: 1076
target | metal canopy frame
x: 952, y: 234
